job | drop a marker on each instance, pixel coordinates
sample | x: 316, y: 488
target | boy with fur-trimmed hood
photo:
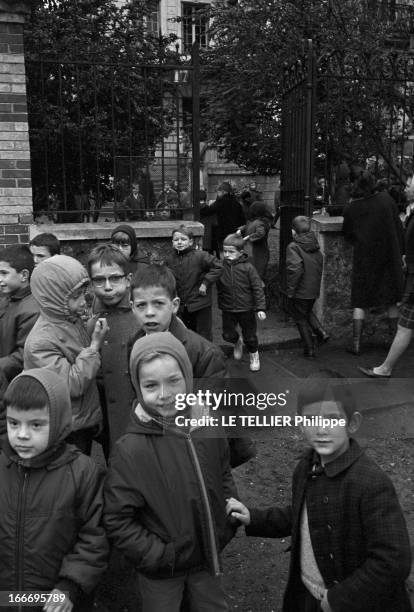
x: 50, y: 498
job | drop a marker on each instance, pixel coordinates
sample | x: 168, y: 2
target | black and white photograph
x: 206, y: 305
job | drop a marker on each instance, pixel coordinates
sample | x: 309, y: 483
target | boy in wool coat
x: 349, y: 549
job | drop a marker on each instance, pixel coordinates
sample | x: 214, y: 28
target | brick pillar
x: 16, y: 205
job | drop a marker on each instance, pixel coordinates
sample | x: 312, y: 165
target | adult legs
x: 400, y: 343
x: 357, y: 327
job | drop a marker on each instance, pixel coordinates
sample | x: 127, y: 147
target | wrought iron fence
x: 100, y: 131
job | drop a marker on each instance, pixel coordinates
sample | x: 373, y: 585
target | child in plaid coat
x: 350, y: 549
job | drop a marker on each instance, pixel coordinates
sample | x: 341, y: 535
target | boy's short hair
x: 235, y: 241
x: 18, y: 256
x: 26, y: 394
x: 155, y: 275
x: 183, y: 230
x: 301, y: 224
x: 323, y: 386
x: 47, y: 240
x: 107, y: 255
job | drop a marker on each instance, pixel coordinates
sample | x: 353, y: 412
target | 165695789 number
x: 30, y: 598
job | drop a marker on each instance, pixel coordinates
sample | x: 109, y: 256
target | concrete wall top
x: 103, y: 231
x: 324, y: 223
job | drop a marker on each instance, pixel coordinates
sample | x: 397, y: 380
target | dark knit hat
x: 161, y: 343
x: 234, y: 240
x: 225, y: 187
x: 326, y: 389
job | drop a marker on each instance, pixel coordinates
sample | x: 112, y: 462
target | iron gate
x: 296, y: 193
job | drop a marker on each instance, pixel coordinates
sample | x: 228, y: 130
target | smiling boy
x: 350, y: 549
x: 166, y: 487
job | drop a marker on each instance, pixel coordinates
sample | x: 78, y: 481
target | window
x: 194, y: 25
x: 153, y: 19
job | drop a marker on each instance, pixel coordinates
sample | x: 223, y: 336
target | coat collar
x: 342, y: 463
x: 20, y: 294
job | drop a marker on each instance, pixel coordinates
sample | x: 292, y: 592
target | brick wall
x: 15, y: 178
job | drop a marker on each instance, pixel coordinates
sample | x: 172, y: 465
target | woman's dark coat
x: 373, y: 226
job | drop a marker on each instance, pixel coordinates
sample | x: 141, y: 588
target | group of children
x: 168, y: 501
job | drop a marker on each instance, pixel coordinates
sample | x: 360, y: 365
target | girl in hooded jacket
x: 124, y: 238
x: 167, y: 484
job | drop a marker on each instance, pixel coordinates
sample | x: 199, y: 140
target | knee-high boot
x: 317, y: 328
x: 357, y: 326
x: 307, y: 338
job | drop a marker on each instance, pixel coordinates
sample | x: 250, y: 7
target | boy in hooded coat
x: 50, y: 497
x: 304, y: 263
x: 59, y: 340
x: 168, y: 514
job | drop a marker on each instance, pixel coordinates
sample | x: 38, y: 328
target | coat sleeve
x: 294, y: 269
x: 43, y: 352
x: 123, y: 502
x: 260, y: 231
x: 256, y: 285
x: 347, y: 226
x: 270, y: 523
x: 12, y: 364
x: 213, y: 268
x: 86, y: 563
x: 388, y: 559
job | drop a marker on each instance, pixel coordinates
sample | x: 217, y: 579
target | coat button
x: 329, y: 528
x: 331, y: 556
x: 325, y: 499
x: 106, y: 342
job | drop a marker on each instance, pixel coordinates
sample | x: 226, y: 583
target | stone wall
x: 154, y: 238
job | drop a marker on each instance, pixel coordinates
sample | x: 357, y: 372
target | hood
x: 160, y: 342
x: 54, y: 281
x: 130, y: 232
x: 60, y: 412
x: 258, y: 210
x: 308, y: 242
x: 243, y: 258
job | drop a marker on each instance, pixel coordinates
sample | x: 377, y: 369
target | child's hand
x: 237, y: 510
x: 99, y: 333
x: 238, y: 233
x: 61, y: 606
x: 202, y: 290
x: 325, y: 607
x: 261, y: 315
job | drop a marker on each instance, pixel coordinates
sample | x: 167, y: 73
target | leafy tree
x: 90, y: 101
x: 252, y: 45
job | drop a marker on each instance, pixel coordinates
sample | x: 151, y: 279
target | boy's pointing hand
x: 237, y: 510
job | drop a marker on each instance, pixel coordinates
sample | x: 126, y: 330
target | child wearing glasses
x: 60, y: 342
x: 110, y: 277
